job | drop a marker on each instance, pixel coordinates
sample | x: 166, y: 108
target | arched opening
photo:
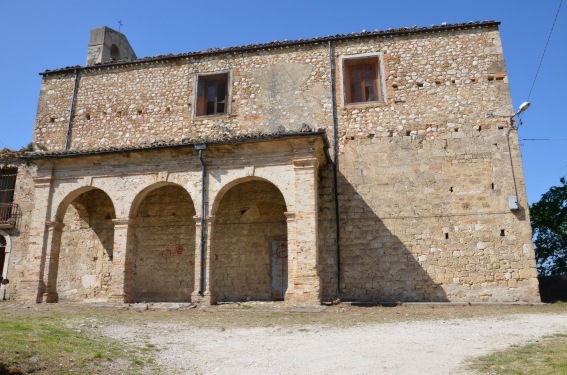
x: 114, y: 52
x: 84, y: 264
x: 3, y: 245
x: 163, y: 252
x: 249, y: 244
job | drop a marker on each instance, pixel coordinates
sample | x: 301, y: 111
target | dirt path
x: 425, y: 347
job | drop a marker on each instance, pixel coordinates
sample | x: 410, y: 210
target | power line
x: 2, y: 143
x: 544, y: 50
x: 543, y: 139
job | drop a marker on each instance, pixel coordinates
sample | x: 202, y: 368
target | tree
x: 549, y: 224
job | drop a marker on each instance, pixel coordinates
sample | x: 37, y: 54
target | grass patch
x: 547, y: 356
x: 54, y: 343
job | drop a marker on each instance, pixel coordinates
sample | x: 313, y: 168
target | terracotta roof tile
x: 159, y: 144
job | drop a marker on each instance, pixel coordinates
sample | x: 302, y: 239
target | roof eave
x: 256, y: 47
x: 73, y: 154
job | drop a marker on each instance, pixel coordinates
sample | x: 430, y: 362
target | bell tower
x: 106, y: 44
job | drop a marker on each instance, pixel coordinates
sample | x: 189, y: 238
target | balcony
x: 9, y: 213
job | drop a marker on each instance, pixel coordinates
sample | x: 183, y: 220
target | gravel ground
x: 422, y: 347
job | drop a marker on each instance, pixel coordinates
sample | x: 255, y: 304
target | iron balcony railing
x: 8, y: 214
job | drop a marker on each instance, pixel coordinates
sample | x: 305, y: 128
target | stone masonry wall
x: 424, y: 182
x: 164, y: 262
x: 424, y: 176
x: 249, y: 218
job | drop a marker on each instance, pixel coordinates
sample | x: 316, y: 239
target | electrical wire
x: 2, y: 143
x: 544, y: 50
x: 543, y: 139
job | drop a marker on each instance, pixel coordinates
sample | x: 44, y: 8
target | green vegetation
x: 549, y: 223
x: 547, y: 356
x: 57, y: 344
x: 28, y: 147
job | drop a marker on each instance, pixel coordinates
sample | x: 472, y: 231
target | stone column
x: 207, y: 296
x: 53, y: 244
x: 33, y: 285
x: 303, y: 280
x: 121, y: 276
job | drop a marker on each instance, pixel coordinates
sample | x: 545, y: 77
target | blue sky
x: 40, y: 35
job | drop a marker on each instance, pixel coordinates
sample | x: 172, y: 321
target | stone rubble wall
x: 424, y: 177
x: 141, y: 104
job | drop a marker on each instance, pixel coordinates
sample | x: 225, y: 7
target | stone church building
x: 372, y: 167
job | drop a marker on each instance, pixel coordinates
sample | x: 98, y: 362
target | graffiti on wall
x: 169, y: 252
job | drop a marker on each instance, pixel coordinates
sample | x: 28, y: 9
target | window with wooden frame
x: 361, y: 79
x: 212, y: 94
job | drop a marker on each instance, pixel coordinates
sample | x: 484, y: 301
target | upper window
x: 7, y: 187
x: 212, y: 95
x: 362, y: 80
x: 7, y: 184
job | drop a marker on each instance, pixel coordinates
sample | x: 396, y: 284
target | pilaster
x: 303, y: 278
x: 206, y: 296
x: 34, y: 283
x: 120, y: 283
x: 53, y: 244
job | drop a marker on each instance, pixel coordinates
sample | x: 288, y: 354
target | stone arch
x: 82, y: 250
x: 114, y: 52
x: 66, y: 201
x: 229, y: 185
x: 249, y: 225
x: 161, y: 251
x: 143, y: 193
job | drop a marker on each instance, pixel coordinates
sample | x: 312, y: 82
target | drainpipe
x: 200, y: 147
x: 513, y: 202
x: 335, y: 167
x: 71, y: 109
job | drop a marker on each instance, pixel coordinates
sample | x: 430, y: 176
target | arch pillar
x: 33, y: 284
x: 203, y: 269
x: 118, y: 292
x: 53, y: 244
x: 303, y: 280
